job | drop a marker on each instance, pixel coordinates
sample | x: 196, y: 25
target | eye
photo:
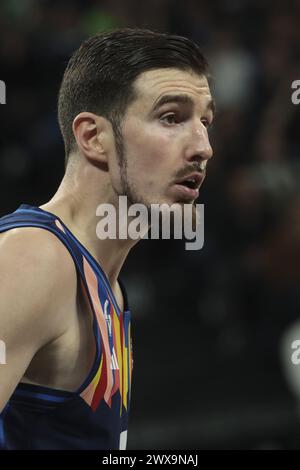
x: 170, y: 118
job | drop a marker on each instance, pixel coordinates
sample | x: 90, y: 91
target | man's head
x: 151, y: 91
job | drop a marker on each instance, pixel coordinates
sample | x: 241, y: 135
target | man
x: 134, y: 107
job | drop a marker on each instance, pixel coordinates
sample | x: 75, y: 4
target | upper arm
x: 36, y: 273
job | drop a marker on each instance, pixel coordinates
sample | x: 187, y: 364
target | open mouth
x: 190, y: 183
x: 188, y: 188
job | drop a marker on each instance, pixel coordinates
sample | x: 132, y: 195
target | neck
x: 75, y: 203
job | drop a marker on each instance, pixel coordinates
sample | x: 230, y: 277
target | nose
x: 199, y: 145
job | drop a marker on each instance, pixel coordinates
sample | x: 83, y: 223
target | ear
x: 92, y: 136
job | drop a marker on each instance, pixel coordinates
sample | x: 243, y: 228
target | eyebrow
x: 182, y: 99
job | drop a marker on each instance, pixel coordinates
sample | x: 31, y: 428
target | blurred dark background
x: 212, y: 328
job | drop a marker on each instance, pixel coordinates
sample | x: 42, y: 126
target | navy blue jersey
x: 96, y: 415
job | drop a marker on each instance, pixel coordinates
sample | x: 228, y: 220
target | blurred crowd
x: 218, y: 316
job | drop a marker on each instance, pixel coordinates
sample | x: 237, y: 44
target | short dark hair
x: 100, y: 74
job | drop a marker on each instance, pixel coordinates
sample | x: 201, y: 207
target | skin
x: 160, y: 146
x: 162, y: 142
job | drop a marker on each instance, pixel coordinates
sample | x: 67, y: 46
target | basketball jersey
x: 96, y: 415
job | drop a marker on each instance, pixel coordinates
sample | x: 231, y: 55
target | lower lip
x: 185, y: 192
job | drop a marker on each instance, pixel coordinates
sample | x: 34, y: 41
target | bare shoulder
x: 37, y: 273
x: 29, y: 239
x: 34, y: 249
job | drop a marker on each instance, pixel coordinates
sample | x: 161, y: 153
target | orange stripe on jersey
x: 92, y: 284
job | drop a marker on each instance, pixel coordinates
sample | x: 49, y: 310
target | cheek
x: 151, y: 151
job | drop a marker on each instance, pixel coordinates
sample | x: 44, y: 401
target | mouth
x: 189, y: 186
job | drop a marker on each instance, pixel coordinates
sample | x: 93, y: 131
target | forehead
x: 153, y: 84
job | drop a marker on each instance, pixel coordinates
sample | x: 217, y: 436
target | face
x: 165, y: 139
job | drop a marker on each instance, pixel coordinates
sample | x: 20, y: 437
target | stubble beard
x: 133, y: 197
